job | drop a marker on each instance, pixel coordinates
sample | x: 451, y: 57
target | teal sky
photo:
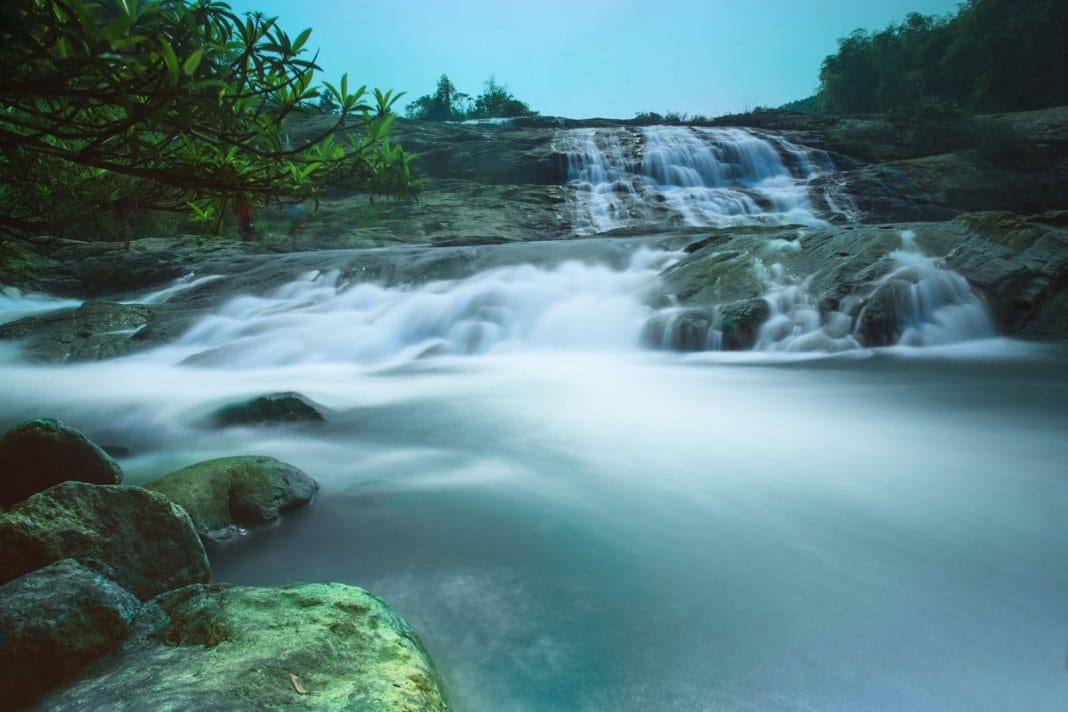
x: 586, y: 58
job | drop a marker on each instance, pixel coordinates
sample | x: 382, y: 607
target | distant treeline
x: 991, y: 56
x: 448, y: 103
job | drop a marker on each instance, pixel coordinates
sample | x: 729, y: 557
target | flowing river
x: 574, y: 517
x: 574, y: 522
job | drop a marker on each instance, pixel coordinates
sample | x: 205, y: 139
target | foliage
x: 809, y: 105
x: 669, y: 117
x: 115, y: 106
x: 933, y: 126
x: 992, y: 55
x: 447, y: 103
x: 326, y: 104
x: 496, y: 101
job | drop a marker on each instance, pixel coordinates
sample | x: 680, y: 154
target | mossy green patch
x: 235, y: 491
x: 230, y: 647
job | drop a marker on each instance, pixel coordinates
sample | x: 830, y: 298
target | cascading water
x: 917, y: 303
x: 320, y: 317
x: 691, y: 176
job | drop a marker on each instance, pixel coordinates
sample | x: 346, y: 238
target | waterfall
x: 917, y: 303
x: 691, y: 176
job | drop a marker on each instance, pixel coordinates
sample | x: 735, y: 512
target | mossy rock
x: 224, y: 494
x: 55, y: 622
x: 44, y: 452
x: 300, y: 647
x: 135, y: 537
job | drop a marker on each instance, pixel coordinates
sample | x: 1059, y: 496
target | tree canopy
x: 172, y: 105
x: 447, y: 103
x: 992, y: 55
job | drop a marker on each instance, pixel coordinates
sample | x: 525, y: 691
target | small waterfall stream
x: 693, y: 176
x: 921, y: 303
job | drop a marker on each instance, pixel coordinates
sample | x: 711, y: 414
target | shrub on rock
x: 44, y: 452
x: 135, y: 537
x: 221, y: 495
x: 54, y: 622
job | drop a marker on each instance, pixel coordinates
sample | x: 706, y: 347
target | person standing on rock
x: 243, y: 213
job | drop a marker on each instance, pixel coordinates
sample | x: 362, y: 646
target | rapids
x: 572, y: 521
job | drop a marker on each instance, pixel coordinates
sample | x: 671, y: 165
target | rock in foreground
x: 221, y: 495
x: 44, y: 452
x: 54, y: 623
x: 302, y: 647
x: 134, y: 537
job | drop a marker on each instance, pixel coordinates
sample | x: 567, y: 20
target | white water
x: 518, y: 308
x: 933, y: 306
x: 16, y: 304
x: 572, y: 523
x: 689, y: 175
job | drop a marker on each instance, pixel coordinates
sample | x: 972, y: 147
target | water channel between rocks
x: 573, y: 522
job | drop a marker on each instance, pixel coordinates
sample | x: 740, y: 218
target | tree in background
x: 496, y: 101
x: 992, y: 55
x: 116, y: 106
x: 447, y: 103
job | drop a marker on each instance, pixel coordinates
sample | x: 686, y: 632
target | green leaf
x: 192, y: 62
x: 301, y: 39
x: 170, y: 58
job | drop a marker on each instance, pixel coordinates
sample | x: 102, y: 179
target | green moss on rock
x: 135, y: 537
x: 239, y: 648
x: 236, y: 492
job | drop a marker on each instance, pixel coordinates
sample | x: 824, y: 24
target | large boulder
x: 135, y: 537
x: 228, y: 493
x: 271, y: 409
x: 40, y: 453
x: 301, y: 647
x: 54, y: 623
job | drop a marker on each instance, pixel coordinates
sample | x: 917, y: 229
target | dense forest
x: 990, y: 56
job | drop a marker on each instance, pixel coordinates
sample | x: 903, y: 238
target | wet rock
x: 271, y: 409
x: 224, y: 494
x: 40, y: 453
x: 879, y: 323
x: 55, y: 622
x: 685, y: 330
x: 306, y: 646
x: 98, y: 330
x: 939, y: 187
x: 137, y: 538
x: 1020, y: 265
x: 741, y: 322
